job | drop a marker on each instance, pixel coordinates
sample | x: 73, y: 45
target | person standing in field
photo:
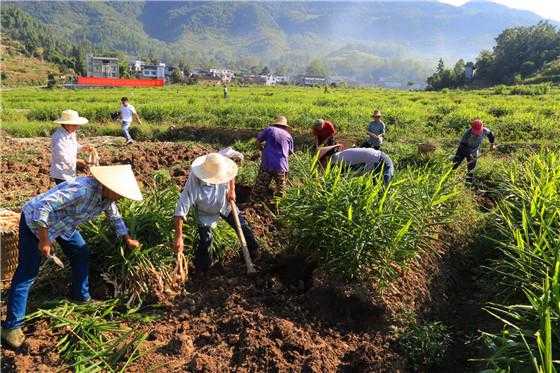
x: 65, y: 146
x: 210, y: 188
x: 225, y: 91
x: 127, y: 113
x: 55, y: 216
x: 376, y: 131
x: 361, y: 160
x: 276, y: 145
x: 324, y: 132
x: 469, y: 146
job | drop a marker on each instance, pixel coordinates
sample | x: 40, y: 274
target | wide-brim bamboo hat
x: 71, y: 117
x: 119, y: 179
x: 214, y: 168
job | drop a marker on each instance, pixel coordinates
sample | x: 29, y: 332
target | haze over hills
x: 361, y: 39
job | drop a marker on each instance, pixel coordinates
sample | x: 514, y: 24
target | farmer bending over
x: 55, y: 215
x: 470, y: 145
x: 362, y: 160
x: 376, y: 131
x: 324, y: 132
x: 209, y: 188
x: 278, y: 145
x: 65, y: 146
x: 127, y: 112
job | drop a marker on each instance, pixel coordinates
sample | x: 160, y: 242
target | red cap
x: 477, y: 127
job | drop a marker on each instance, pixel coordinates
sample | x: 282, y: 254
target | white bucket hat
x: 71, y: 117
x: 118, y: 178
x: 214, y: 168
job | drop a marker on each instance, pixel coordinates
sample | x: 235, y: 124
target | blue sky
x: 549, y: 9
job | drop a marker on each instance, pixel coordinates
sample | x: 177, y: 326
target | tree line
x: 519, y: 53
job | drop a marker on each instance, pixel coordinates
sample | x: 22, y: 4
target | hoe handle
x: 246, y: 255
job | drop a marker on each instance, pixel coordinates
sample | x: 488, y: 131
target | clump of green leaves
x: 358, y: 229
x: 529, y: 222
x: 425, y: 345
x: 93, y: 337
x: 145, y: 274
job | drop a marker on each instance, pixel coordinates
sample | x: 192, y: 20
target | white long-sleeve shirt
x: 65, y: 148
x: 210, y: 200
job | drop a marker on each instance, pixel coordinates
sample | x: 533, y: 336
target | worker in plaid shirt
x: 55, y: 216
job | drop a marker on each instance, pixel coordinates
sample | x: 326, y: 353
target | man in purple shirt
x: 278, y: 145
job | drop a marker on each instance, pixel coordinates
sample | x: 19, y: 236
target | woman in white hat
x: 55, y: 216
x: 65, y: 146
x: 209, y: 188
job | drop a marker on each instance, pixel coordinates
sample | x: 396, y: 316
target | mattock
x: 246, y: 256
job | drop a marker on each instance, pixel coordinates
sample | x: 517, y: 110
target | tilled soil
x: 25, y: 163
x: 289, y: 318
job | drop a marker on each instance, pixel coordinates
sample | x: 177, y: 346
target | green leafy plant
x: 529, y: 220
x: 358, y: 229
x: 93, y: 337
x: 425, y: 345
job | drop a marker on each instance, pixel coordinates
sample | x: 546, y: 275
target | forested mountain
x: 364, y: 39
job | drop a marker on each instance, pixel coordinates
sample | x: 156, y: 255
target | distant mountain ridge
x: 280, y: 33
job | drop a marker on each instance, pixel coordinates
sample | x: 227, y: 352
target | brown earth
x: 25, y: 163
x: 287, y: 319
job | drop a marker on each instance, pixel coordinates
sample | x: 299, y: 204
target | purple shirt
x: 279, y: 145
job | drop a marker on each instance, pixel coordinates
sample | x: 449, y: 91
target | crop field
x: 426, y: 274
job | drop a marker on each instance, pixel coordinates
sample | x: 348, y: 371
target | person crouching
x: 361, y: 160
x: 209, y: 188
x: 55, y: 216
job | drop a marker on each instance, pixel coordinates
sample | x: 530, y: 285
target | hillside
x: 344, y: 35
x: 19, y: 69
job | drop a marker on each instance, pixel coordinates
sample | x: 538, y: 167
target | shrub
x: 425, y: 345
x: 529, y: 222
x: 358, y: 229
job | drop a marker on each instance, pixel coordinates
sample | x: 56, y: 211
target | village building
x: 102, y: 67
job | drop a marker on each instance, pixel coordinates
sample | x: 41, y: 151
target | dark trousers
x: 202, y: 258
x: 29, y: 261
x: 471, y: 162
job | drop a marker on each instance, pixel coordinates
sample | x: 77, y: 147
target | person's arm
x: 261, y: 139
x: 491, y: 138
x: 121, y: 230
x: 137, y: 117
x: 179, y: 244
x: 231, y: 191
x: 44, y: 243
x: 184, y: 204
x: 291, y: 145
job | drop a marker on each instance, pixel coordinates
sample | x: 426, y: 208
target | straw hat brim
x: 80, y: 121
x: 226, y: 172
x: 281, y: 124
x: 119, y: 179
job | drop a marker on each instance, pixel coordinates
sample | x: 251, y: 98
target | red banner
x: 112, y: 82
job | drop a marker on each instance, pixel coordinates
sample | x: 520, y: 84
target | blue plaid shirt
x: 69, y: 204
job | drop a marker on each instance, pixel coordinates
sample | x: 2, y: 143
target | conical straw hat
x: 71, y: 117
x: 214, y: 168
x: 326, y: 149
x: 118, y: 178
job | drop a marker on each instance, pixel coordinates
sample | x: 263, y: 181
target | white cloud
x: 549, y: 9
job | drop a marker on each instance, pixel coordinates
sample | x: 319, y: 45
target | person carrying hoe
x: 210, y: 188
x: 55, y: 216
